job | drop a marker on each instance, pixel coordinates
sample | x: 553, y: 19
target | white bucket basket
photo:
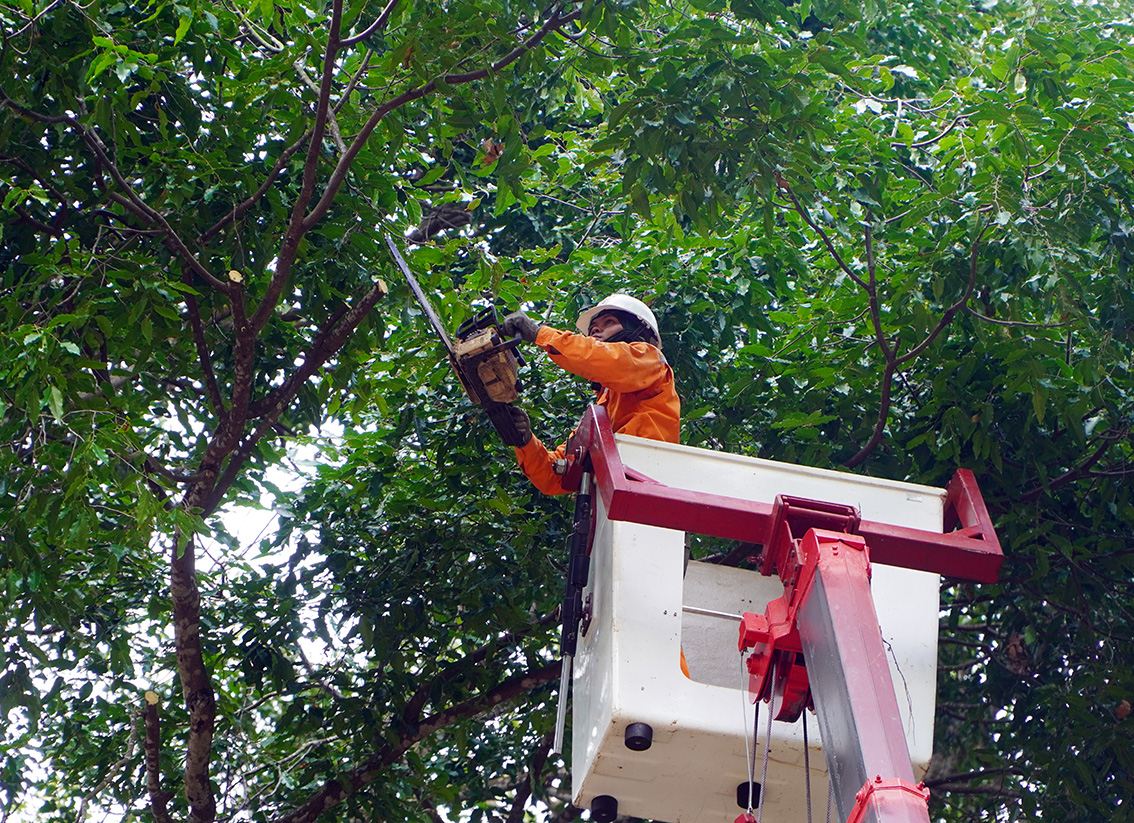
x: 647, y: 609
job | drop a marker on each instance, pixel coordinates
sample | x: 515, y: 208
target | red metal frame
x: 822, y: 553
x: 881, y: 799
x: 969, y: 550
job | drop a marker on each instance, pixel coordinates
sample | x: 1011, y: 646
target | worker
x: 618, y: 348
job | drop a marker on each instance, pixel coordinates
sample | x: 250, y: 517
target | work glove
x: 519, y: 323
x: 522, y: 423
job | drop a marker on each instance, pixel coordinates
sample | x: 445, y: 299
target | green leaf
x: 55, y: 403
x: 184, y: 20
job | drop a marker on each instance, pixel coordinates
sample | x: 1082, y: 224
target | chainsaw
x: 485, y: 363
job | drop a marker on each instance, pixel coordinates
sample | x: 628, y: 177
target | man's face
x: 604, y: 326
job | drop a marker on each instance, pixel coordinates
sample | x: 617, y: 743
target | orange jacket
x: 638, y: 393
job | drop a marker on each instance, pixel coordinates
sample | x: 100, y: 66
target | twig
x: 112, y: 773
x: 332, y: 121
x: 338, y: 176
x: 417, y: 702
x: 834, y: 252
x: 34, y: 20
x: 1018, y: 323
x: 377, y: 25
x: 893, y: 360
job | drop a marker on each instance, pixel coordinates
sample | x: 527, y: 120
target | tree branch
x: 872, y: 294
x: 524, y: 789
x: 949, y: 313
x: 338, y: 176
x: 200, y: 699
x: 239, y: 210
x: 296, y: 229
x: 333, y: 123
x: 231, y: 429
x: 236, y: 460
x: 111, y: 773
x: 880, y: 423
x: 893, y: 360
x: 1076, y: 472
x: 801, y: 210
x: 374, y: 27
x: 143, y: 209
x: 326, y: 344
x: 417, y: 702
x: 158, y: 797
x: 335, y: 791
x: 151, y: 465
x: 204, y: 357
x: 1019, y: 323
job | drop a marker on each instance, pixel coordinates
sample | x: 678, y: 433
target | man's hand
x: 519, y: 323
x: 522, y: 422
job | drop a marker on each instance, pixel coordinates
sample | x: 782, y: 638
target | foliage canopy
x: 891, y: 237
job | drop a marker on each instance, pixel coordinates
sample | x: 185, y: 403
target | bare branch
x: 949, y: 313
x: 880, y: 423
x: 374, y: 27
x: 335, y: 791
x: 299, y: 224
x: 1017, y: 323
x: 296, y: 228
x: 834, y: 252
x: 38, y: 225
x: 1079, y: 471
x: 34, y: 115
x: 111, y: 773
x: 151, y: 465
x: 204, y: 357
x: 932, y: 140
x: 350, y: 87
x: 416, y: 703
x: 142, y: 209
x: 872, y: 294
x: 158, y: 797
x: 336, y: 135
x: 239, y: 210
x: 326, y: 343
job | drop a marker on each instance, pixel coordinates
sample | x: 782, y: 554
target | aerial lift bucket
x: 650, y: 741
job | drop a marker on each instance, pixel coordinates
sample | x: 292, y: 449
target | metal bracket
x: 774, y: 635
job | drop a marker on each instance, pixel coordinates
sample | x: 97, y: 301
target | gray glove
x: 519, y: 323
x: 522, y: 423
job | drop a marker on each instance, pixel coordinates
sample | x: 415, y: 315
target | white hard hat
x: 618, y: 302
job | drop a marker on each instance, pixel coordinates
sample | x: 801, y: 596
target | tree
x: 196, y: 198
x: 901, y: 232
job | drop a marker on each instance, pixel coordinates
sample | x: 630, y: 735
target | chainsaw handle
x: 512, y: 344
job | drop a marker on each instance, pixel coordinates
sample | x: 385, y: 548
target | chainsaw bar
x: 485, y: 365
x: 434, y: 320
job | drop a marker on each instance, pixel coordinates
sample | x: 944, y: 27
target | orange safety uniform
x: 638, y: 393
